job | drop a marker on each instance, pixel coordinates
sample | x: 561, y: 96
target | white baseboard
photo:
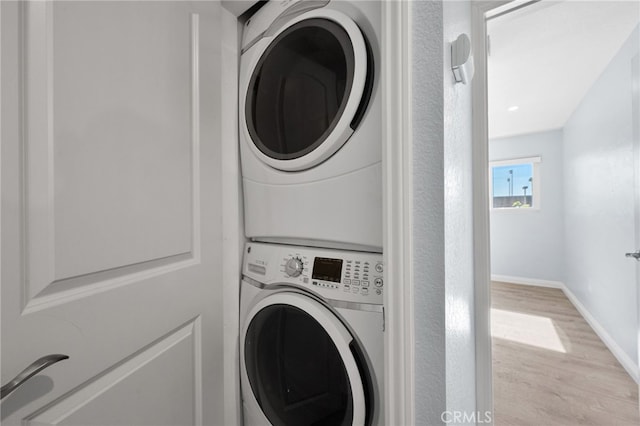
x: 627, y: 363
x: 616, y: 350
x: 527, y: 281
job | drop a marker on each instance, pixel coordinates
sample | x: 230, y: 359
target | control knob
x: 293, y: 267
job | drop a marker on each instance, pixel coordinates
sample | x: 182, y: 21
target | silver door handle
x: 36, y: 367
x: 635, y: 255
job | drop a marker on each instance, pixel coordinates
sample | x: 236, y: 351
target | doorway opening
x: 561, y: 188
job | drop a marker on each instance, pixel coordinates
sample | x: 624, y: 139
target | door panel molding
x: 71, y: 289
x: 43, y: 287
x: 111, y: 110
x: 37, y: 127
x: 117, y: 384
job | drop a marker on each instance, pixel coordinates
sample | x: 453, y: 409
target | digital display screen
x: 327, y: 269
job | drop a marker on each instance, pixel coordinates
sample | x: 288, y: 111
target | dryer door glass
x: 299, y: 88
x: 295, y: 370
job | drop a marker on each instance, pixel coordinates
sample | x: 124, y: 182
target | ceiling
x: 543, y: 59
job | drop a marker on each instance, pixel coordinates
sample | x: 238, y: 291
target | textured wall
x: 442, y: 216
x: 599, y: 201
x: 530, y: 243
x: 428, y: 211
x: 458, y: 222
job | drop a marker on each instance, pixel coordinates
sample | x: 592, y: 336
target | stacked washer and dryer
x: 312, y: 317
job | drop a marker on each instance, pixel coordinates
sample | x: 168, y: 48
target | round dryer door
x: 301, y: 365
x: 308, y: 90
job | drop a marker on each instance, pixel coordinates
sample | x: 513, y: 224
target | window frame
x: 536, y: 190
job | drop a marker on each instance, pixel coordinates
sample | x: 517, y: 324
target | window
x: 515, y: 184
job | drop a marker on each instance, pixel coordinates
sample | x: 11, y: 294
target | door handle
x: 635, y: 255
x: 33, y: 369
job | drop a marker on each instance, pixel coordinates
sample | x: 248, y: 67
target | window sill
x: 513, y: 210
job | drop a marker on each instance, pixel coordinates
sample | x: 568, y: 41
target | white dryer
x: 310, y: 124
x: 312, y: 337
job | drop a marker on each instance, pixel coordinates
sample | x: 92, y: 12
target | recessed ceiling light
x: 513, y: 108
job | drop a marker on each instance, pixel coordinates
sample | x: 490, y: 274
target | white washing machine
x: 311, y: 342
x: 310, y: 124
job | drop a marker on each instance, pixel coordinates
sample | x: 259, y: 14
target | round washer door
x: 309, y: 85
x: 301, y: 370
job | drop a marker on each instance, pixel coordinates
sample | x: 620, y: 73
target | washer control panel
x: 334, y: 274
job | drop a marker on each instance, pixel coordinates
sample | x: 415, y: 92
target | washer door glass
x: 296, y: 372
x: 299, y: 88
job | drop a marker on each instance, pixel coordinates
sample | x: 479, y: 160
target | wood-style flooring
x: 549, y: 366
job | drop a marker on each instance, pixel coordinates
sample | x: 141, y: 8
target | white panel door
x: 111, y: 227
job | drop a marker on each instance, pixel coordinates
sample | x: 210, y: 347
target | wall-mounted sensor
x: 462, y: 59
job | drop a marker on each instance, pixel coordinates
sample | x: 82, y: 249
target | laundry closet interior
x: 311, y: 323
x: 194, y: 217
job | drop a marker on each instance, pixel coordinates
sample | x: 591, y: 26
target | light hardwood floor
x: 549, y: 366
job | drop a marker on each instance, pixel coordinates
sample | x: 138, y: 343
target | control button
x: 379, y: 267
x: 293, y: 267
x: 364, y: 291
x: 378, y: 291
x: 305, y: 280
x: 355, y: 282
x: 347, y: 288
x: 315, y: 283
x: 378, y: 282
x: 357, y: 262
x: 347, y: 281
x: 365, y: 283
x: 354, y: 289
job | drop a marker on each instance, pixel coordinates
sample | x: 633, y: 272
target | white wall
x: 599, y: 207
x: 458, y: 223
x: 442, y: 216
x: 526, y: 243
x: 428, y: 211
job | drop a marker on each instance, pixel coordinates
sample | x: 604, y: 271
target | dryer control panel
x: 333, y: 274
